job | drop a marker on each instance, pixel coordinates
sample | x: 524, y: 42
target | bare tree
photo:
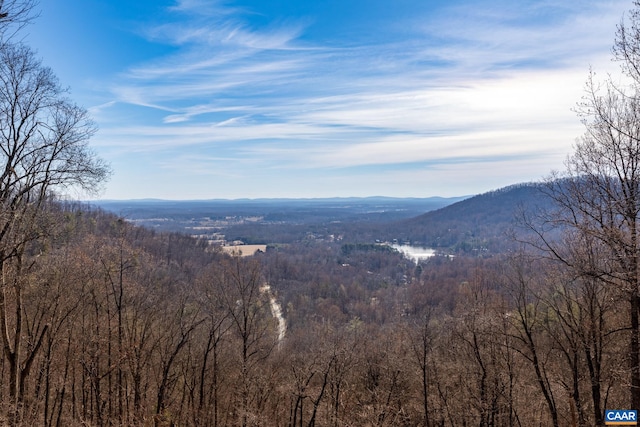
x: 420, y: 337
x: 14, y: 15
x: 248, y: 309
x: 599, y: 199
x: 530, y: 339
x: 216, y: 325
x: 598, y: 196
x: 43, y: 149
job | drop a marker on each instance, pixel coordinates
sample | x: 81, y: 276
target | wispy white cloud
x: 476, y: 84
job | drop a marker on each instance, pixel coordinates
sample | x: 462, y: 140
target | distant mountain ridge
x: 183, y: 215
x: 462, y: 225
x: 283, y: 199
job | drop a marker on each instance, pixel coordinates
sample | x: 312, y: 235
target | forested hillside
x: 122, y: 325
x: 482, y: 224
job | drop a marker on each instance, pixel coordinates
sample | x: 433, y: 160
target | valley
x: 342, y: 312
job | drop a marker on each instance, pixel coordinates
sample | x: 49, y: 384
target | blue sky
x: 199, y: 99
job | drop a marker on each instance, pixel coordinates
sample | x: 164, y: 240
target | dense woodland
x: 103, y: 323
x: 123, y: 326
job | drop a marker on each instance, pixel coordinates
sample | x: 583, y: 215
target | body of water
x: 415, y: 253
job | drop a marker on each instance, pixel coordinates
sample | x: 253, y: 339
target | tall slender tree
x: 43, y: 149
x: 597, y: 197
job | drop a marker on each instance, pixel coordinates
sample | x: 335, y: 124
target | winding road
x: 276, y: 311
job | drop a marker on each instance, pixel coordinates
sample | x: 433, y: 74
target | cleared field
x: 244, y: 250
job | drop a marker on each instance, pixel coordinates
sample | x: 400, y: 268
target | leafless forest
x: 107, y: 324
